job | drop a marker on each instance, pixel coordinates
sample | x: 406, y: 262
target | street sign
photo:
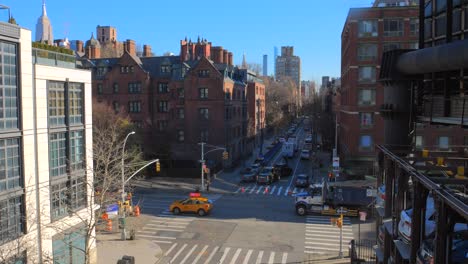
x: 336, y: 162
x: 371, y: 193
x: 362, y: 216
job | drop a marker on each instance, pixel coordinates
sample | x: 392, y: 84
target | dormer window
x: 204, y: 73
x: 165, y: 69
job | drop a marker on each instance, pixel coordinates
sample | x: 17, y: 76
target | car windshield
x: 302, y: 177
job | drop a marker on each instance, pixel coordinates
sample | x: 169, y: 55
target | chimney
x: 230, y: 59
x: 146, y: 51
x: 217, y: 54
x: 130, y: 47
x: 79, y: 46
x: 225, y: 56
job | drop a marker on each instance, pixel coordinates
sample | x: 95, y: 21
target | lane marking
x: 170, y: 249
x: 211, y: 255
x: 253, y: 189
x: 259, y: 189
x: 259, y: 257
x: 236, y: 255
x: 247, y: 257
x: 188, y: 254
x: 286, y: 191
x: 163, y: 242
x: 200, y: 254
x: 178, y: 253
x: 273, y: 190
x: 272, y: 258
x: 285, y: 258
x: 279, y: 190
x: 226, y: 251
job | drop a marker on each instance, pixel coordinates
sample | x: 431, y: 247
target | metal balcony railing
x: 52, y: 58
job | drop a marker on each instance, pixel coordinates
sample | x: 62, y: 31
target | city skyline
x: 319, y: 57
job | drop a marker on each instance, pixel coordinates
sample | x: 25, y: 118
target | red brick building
x: 367, y: 33
x: 179, y: 101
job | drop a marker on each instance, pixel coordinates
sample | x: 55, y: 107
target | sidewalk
x: 110, y: 248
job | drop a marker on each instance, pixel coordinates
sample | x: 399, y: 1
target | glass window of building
x: 10, y: 160
x: 56, y: 103
x: 203, y: 93
x: 418, y: 142
x: 393, y: 27
x: 69, y: 247
x: 367, y: 52
x: 367, y: 28
x: 163, y: 88
x: 440, y: 26
x: 367, y: 74
x: 427, y: 29
x: 414, y: 26
x: 11, y: 219
x: 180, y: 113
x: 78, y: 193
x: 443, y: 142
x: 440, y: 6
x: 391, y: 46
x: 457, y: 20
x: 76, y: 150
x: 204, y: 113
x: 8, y: 86
x: 366, y: 97
x: 163, y: 107
x: 180, y: 136
x: 59, y: 200
x: 116, y: 88
x: 365, y: 142
x: 134, y: 106
x: 204, y: 135
x: 366, y: 119
x: 75, y: 103
x: 57, y: 154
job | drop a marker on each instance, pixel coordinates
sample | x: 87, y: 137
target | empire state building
x: 44, y: 28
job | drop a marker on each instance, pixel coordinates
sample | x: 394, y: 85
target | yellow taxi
x: 194, y: 204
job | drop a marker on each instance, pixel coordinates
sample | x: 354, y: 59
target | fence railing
x: 52, y: 58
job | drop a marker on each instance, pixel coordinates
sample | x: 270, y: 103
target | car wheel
x: 301, y: 210
x: 201, y: 212
x: 176, y: 211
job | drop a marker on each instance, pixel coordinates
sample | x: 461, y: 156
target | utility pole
x: 124, y: 234
x: 202, y: 164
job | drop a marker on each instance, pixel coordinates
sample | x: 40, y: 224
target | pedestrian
x: 208, y: 186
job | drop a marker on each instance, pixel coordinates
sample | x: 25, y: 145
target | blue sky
x: 252, y: 27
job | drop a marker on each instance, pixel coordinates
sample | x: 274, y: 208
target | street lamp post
x: 202, y: 160
x: 123, y: 186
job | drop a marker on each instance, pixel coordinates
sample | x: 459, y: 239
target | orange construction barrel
x: 136, y: 210
x: 109, y: 225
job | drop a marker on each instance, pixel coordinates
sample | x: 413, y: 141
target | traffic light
x: 225, y: 155
x: 158, y: 166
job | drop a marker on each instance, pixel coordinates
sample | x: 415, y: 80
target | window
x: 78, y: 193
x: 123, y: 69
x: 367, y: 52
x: 204, y: 73
x: 440, y: 26
x: 367, y: 74
x: 11, y: 219
x: 57, y: 154
x: 75, y: 100
x: 414, y: 26
x: 163, y: 107
x: 181, y: 93
x: 162, y: 125
x: 393, y: 27
x: 365, y: 142
x: 59, y: 200
x: 180, y: 136
x: 367, y: 28
x: 8, y: 86
x: 10, y: 170
x: 413, y: 45
x: 100, y: 71
x: 428, y: 9
x: 427, y: 29
x: 99, y: 88
x: 203, y: 113
x: 116, y: 88
x: 134, y: 106
x: 116, y: 106
x: 204, y: 135
x: 440, y: 6
x: 132, y: 69
x: 165, y: 68
x: 203, y: 93
x: 57, y: 103
x: 443, y: 142
x: 180, y: 113
x: 163, y: 88
x: 69, y: 247
x: 418, y: 142
x: 366, y: 97
x: 76, y: 150
x: 390, y: 46
x: 366, y: 119
x: 134, y: 87
x: 456, y: 20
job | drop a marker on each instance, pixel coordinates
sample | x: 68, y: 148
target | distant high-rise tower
x: 43, y: 27
x: 289, y: 66
x: 265, y: 65
x: 275, y: 55
x: 244, y: 62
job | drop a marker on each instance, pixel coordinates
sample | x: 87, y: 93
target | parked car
x: 302, y: 180
x: 282, y: 168
x: 249, y: 175
x: 305, y: 154
x: 196, y: 204
x: 266, y: 176
x: 404, y: 226
x: 425, y: 253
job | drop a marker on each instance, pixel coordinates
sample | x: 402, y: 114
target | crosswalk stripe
x: 211, y: 255
x: 285, y: 258
x: 237, y: 191
x: 163, y: 229
x: 188, y: 254
x: 259, y: 257
x: 272, y: 258
x: 200, y: 254
x: 279, y: 190
x: 170, y: 249
x: 253, y: 189
x: 178, y: 253
x: 226, y: 251
x: 180, y: 219
x: 236, y: 255
x: 167, y: 225
x: 259, y: 189
x: 247, y: 257
x: 273, y: 190
x: 162, y: 241
x: 286, y: 191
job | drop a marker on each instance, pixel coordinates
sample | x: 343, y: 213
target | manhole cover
x: 187, y: 235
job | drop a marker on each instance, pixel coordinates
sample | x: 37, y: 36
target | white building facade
x: 46, y: 159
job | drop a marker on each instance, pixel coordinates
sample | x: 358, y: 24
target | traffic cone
x: 243, y: 190
x: 266, y: 190
x: 136, y: 211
